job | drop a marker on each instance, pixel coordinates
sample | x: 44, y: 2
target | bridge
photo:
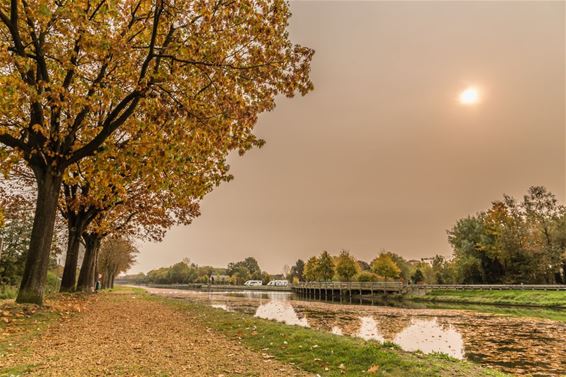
x: 344, y: 291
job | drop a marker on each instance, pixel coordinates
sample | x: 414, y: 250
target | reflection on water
x: 368, y: 330
x: 521, y: 346
x: 281, y: 311
x: 428, y: 336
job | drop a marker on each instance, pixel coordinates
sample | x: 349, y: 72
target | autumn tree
x: 384, y: 266
x: 404, y: 267
x: 367, y: 276
x: 82, y: 71
x: 147, y: 217
x: 139, y: 189
x: 311, y: 269
x: 512, y: 242
x: 117, y: 255
x: 543, y: 214
x: 325, y: 267
x: 346, y: 266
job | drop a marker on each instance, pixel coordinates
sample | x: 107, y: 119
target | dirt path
x: 122, y: 334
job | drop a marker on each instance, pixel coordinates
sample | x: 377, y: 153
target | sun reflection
x: 428, y: 336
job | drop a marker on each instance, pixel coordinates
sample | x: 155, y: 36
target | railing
x: 398, y: 285
x: 381, y: 285
x: 500, y: 287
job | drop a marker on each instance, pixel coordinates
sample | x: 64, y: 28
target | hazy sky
x: 381, y: 155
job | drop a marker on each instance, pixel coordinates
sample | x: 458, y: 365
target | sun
x: 469, y: 96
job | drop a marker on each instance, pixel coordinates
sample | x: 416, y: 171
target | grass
x: 27, y: 322
x: 8, y: 292
x: 543, y: 299
x: 511, y: 311
x: 324, y: 353
x: 27, y: 327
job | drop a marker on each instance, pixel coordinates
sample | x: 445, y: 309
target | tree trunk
x: 37, y: 261
x: 96, y: 272
x: 109, y: 279
x: 76, y: 225
x: 86, y: 275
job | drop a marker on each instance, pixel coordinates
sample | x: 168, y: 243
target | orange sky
x: 381, y: 155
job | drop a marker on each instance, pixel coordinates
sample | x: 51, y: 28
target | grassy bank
x: 543, y: 299
x: 324, y: 353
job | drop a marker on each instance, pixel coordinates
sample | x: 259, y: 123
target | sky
x: 382, y: 155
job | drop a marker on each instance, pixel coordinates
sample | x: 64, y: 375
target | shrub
x: 8, y: 291
x: 366, y: 276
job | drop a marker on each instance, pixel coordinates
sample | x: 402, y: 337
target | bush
x: 53, y: 283
x: 8, y: 291
x: 366, y: 276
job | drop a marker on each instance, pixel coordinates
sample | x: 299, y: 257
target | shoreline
x: 133, y: 327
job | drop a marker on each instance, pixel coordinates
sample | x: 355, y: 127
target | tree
x: 366, y: 276
x: 325, y: 267
x: 116, y: 255
x: 346, y: 266
x: 297, y: 271
x: 511, y: 242
x: 443, y: 270
x: 248, y: 269
x: 404, y: 267
x: 143, y: 201
x: 83, y: 72
x: 182, y: 273
x: 384, y: 266
x: 543, y: 214
x: 15, y: 232
x: 417, y: 277
x: 312, y: 270
x: 265, y: 277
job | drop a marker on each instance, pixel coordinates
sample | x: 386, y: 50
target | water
x: 517, y: 345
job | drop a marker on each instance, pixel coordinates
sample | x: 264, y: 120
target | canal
x: 519, y: 345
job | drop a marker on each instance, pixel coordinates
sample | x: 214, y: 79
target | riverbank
x: 128, y: 332
x: 324, y: 353
x: 519, y: 298
x: 121, y: 333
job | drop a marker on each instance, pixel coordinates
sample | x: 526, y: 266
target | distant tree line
x: 185, y: 272
x: 513, y: 242
x: 344, y: 267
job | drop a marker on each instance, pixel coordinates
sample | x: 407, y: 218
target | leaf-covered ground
x: 121, y: 334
